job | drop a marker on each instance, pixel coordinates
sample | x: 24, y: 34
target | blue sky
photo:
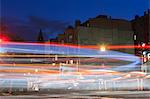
x: 60, y: 13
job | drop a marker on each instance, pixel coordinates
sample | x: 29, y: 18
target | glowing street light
x: 36, y: 70
x: 103, y: 48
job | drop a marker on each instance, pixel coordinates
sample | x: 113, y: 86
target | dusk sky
x: 28, y: 16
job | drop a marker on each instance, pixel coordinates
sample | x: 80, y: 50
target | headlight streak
x: 79, y: 52
x: 45, y: 74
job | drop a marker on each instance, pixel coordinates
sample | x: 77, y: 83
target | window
x: 135, y: 37
x: 88, y: 25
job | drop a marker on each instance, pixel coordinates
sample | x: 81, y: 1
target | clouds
x: 52, y: 25
x: 17, y: 27
x: 29, y: 27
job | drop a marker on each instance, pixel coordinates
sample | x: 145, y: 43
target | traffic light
x: 146, y: 56
x: 143, y: 45
x: 4, y: 39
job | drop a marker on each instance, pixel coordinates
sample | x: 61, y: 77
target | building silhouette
x: 7, y: 35
x: 141, y: 28
x: 99, y: 30
x: 69, y: 36
x: 106, y: 30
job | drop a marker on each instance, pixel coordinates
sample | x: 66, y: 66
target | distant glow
x: 53, y: 64
x: 4, y: 39
x: 36, y: 70
x: 58, y: 49
x: 103, y: 49
x: 144, y: 53
x: 1, y: 40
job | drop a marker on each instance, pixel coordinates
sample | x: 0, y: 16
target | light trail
x: 36, y: 48
x: 109, y: 47
x: 67, y: 75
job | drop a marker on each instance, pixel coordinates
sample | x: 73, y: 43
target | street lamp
x: 103, y: 48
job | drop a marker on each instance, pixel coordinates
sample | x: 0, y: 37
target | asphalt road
x: 82, y: 95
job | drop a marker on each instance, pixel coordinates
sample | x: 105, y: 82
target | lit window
x: 70, y: 37
x: 88, y: 25
x: 135, y: 37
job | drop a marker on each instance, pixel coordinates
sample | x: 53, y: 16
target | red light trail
x: 108, y: 47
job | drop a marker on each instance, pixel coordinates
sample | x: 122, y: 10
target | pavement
x: 83, y: 95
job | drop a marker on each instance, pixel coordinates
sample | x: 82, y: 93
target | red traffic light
x: 3, y: 39
x: 143, y: 45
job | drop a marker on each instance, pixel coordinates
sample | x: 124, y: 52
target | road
x: 84, y: 95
